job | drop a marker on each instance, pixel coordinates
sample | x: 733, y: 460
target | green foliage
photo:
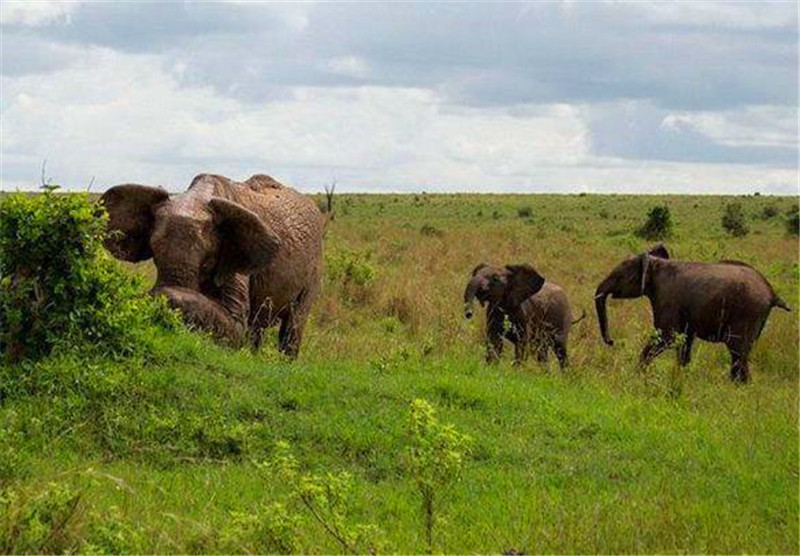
x: 350, y: 267
x: 436, y: 455
x: 59, y: 288
x: 525, y: 212
x: 793, y: 221
x: 431, y: 231
x: 734, y: 220
x: 109, y: 533
x: 326, y: 498
x: 658, y: 224
x: 770, y: 211
x: 271, y: 529
x: 38, y: 522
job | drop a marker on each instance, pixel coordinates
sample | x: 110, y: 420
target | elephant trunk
x: 469, y: 296
x: 602, y: 316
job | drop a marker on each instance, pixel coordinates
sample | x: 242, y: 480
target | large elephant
x: 727, y: 301
x: 538, y: 311
x: 232, y: 257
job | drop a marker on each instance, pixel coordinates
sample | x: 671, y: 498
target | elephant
x: 538, y: 311
x: 727, y: 301
x: 233, y: 258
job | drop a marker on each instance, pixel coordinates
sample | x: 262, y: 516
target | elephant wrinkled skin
x: 727, y: 301
x: 232, y: 257
x: 538, y: 311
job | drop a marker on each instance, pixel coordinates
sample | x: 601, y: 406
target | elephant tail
x: 580, y: 318
x: 778, y: 302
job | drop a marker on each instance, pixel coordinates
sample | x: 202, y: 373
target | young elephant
x: 726, y: 302
x: 538, y: 312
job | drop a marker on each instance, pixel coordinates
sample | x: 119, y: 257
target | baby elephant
x: 538, y: 312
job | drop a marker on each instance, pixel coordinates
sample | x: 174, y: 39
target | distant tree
x: 793, y: 221
x: 658, y: 224
x: 734, y: 220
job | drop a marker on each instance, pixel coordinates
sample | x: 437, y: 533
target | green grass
x: 165, y: 450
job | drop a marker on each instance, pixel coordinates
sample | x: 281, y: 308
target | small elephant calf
x: 538, y: 312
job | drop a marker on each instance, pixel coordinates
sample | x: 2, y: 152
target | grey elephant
x: 232, y: 257
x: 538, y: 311
x: 727, y: 301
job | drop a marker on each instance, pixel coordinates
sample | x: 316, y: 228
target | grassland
x: 163, y: 454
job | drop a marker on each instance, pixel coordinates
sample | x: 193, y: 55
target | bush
x: 436, y: 455
x: 793, y: 221
x: 658, y: 225
x: 431, y: 231
x: 60, y: 288
x: 770, y: 211
x: 734, y: 221
x: 525, y: 212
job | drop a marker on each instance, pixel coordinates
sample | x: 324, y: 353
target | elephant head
x: 628, y: 280
x: 506, y: 286
x: 197, y: 243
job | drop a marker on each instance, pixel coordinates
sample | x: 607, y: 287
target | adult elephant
x: 232, y: 257
x: 727, y: 301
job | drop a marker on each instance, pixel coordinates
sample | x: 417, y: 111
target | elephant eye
x: 494, y: 280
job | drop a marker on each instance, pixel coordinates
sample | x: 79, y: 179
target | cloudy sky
x: 492, y: 96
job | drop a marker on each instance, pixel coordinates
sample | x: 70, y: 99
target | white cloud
x: 35, y: 12
x: 405, y: 103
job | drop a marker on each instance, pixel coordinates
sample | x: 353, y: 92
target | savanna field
x: 187, y: 447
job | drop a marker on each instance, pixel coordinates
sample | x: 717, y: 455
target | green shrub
x: 327, y: 500
x: 793, y: 221
x: 350, y: 267
x: 734, y: 220
x: 525, y: 212
x: 60, y: 288
x: 658, y: 225
x: 770, y: 211
x: 436, y: 454
x: 39, y: 522
x: 431, y: 231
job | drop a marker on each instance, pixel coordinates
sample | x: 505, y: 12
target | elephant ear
x: 523, y: 282
x: 246, y: 244
x: 130, y: 219
x: 478, y: 268
x: 660, y: 251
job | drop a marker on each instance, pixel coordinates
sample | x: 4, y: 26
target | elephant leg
x: 520, y: 351
x: 541, y: 352
x: 655, y: 348
x: 293, y: 324
x: 685, y: 353
x: 494, y: 347
x: 560, y: 348
x: 740, y: 368
x: 494, y: 338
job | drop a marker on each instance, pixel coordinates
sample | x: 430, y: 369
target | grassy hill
x: 169, y: 451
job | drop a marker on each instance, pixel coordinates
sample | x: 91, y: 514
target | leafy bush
x: 525, y: 212
x: 734, y: 221
x: 350, y: 267
x: 770, y: 211
x: 327, y: 499
x: 793, y: 221
x: 658, y: 225
x: 431, y: 231
x: 60, y: 288
x: 436, y: 455
x: 39, y: 522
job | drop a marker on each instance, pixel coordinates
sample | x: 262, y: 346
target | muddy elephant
x: 727, y: 302
x: 537, y: 311
x: 233, y: 257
